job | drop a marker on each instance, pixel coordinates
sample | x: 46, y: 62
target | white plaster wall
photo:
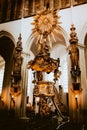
x: 77, y: 15
x: 14, y: 28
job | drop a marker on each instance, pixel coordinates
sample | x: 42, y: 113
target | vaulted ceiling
x: 16, y: 9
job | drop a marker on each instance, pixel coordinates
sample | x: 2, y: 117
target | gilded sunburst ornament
x: 46, y: 24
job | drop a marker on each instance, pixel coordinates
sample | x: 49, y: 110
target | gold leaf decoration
x: 46, y: 22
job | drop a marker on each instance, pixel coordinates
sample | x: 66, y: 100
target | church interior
x: 43, y: 64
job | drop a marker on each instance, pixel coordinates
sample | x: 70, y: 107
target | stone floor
x: 9, y: 122
x: 32, y: 122
x: 72, y: 126
x: 41, y: 125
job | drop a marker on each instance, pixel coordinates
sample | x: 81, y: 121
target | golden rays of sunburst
x: 46, y: 22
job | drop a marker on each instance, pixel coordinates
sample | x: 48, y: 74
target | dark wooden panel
x: 10, y: 10
x: 79, y: 2
x: 15, y: 9
x: 65, y: 4
x: 29, y: 6
x: 57, y: 4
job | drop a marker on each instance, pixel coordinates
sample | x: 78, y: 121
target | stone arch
x: 62, y: 38
x: 82, y: 41
x: 85, y: 42
x: 83, y: 34
x: 7, y: 34
x: 7, y: 45
x: 83, y: 52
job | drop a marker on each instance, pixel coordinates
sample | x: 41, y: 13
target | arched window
x: 61, y: 52
x: 30, y: 78
x: 86, y: 53
x: 63, y: 81
x: 2, y: 66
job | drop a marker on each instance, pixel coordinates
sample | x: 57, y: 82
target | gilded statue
x: 74, y: 55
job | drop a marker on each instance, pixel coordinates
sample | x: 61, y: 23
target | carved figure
x: 74, y: 55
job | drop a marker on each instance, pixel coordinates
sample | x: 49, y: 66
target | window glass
x: 2, y: 66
